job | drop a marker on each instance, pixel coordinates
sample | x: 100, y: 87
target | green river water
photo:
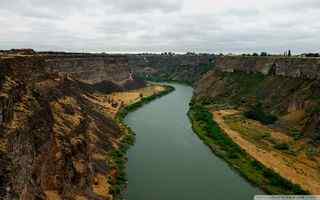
x: 169, y: 161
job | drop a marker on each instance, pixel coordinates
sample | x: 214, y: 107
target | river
x: 169, y: 161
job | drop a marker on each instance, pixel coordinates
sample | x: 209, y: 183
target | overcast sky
x: 161, y: 25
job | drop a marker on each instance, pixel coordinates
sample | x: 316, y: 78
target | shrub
x: 264, y: 54
x: 312, y: 151
x: 282, y: 146
x: 297, y: 135
x: 256, y: 113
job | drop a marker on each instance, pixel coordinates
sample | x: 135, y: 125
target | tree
x: 289, y: 53
x: 263, y: 54
x: 311, y: 55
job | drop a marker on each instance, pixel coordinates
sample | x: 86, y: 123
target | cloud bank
x: 157, y: 26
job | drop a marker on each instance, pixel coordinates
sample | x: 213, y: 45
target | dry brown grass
x: 52, y: 195
x: 3, y: 145
x: 79, y: 197
x: 101, y: 186
x: 297, y: 167
x: 122, y: 99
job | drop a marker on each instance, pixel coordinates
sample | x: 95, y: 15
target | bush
x: 264, y: 54
x: 256, y: 113
x: 297, y: 135
x: 312, y: 151
x: 282, y: 146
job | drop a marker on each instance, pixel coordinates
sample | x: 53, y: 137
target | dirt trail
x: 287, y: 166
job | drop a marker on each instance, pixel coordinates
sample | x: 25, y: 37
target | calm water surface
x: 169, y: 161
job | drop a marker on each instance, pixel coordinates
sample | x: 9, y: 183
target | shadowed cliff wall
x: 184, y: 68
x: 91, y: 68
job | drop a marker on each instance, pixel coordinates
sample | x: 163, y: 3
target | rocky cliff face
x: 304, y: 68
x: 92, y: 69
x: 55, y: 140
x: 184, y: 68
x: 286, y: 87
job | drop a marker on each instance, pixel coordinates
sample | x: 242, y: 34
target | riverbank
x: 164, y: 80
x: 288, y: 156
x: 223, y: 146
x: 117, y: 178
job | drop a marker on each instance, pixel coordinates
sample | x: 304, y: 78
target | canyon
x: 293, y: 67
x: 185, y: 68
x: 58, y: 127
x: 61, y: 136
x: 269, y: 107
x: 288, y: 88
x: 282, y: 91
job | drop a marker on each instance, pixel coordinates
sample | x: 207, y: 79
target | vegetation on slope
x: 225, y: 148
x: 256, y: 113
x: 182, y: 68
x: 283, y: 97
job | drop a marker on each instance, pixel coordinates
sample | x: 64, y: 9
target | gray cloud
x: 147, y: 5
x: 152, y: 25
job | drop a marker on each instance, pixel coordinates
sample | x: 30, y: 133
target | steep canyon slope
x: 288, y: 88
x: 55, y: 133
x: 270, y: 108
x: 187, y: 68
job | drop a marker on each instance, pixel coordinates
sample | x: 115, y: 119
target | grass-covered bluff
x: 211, y: 134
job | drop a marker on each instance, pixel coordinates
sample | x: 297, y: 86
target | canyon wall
x: 24, y: 70
x: 92, y: 69
x: 305, y: 68
x: 107, y: 72
x: 288, y: 88
x: 186, y: 68
x: 56, y: 137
